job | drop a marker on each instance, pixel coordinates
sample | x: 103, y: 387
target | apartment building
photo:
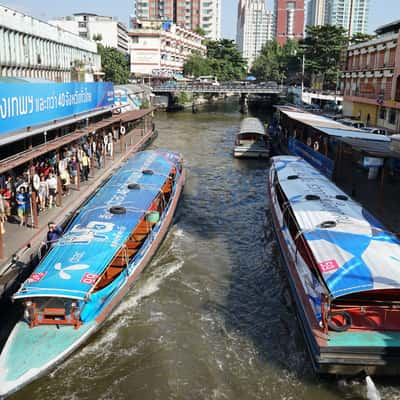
x: 160, y: 49
x: 35, y: 49
x: 316, y: 12
x: 92, y: 26
x: 289, y: 20
x: 189, y: 14
x: 352, y: 15
x: 371, y: 79
x: 255, y: 26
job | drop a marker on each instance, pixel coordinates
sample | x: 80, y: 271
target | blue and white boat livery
x: 85, y: 275
x: 343, y: 268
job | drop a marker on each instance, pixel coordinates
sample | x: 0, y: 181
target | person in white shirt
x: 52, y: 184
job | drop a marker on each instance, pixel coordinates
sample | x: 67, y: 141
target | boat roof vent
x: 312, y: 197
x: 134, y: 186
x: 327, y: 224
x: 147, y: 172
x: 291, y: 177
x: 117, y: 210
x: 341, y: 197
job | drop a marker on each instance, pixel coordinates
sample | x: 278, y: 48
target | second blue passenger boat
x: 343, y: 268
x: 86, y: 274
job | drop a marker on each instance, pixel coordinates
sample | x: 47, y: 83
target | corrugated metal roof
x: 371, y: 147
x: 327, y: 125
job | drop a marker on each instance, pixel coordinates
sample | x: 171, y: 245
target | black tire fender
x: 118, y: 210
x: 339, y: 328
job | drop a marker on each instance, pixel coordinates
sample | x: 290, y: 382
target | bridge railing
x: 222, y: 88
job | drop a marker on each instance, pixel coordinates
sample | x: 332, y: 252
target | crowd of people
x: 49, y: 177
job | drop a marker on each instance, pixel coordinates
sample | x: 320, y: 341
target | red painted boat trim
x: 312, y: 322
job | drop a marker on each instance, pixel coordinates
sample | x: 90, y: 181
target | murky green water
x: 212, y: 316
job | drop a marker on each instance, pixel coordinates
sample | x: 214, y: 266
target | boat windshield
x: 51, y: 311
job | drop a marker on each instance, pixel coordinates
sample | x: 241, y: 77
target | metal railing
x: 221, y: 88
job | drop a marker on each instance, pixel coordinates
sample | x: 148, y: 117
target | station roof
x: 327, y: 125
x: 22, y: 158
x: 372, y: 148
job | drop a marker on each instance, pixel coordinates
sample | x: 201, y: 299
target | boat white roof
x: 329, y: 126
x: 252, y: 125
x: 353, y: 251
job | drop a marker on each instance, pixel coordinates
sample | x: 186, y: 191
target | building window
x: 392, y: 116
x: 82, y: 24
x: 382, y: 113
x: 135, y: 39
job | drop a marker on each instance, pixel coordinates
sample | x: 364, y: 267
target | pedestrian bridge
x: 221, y: 88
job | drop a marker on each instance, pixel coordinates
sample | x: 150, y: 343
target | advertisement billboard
x: 25, y: 105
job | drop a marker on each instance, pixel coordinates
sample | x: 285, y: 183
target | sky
x: 381, y: 11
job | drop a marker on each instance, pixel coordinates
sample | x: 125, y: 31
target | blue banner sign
x: 316, y: 159
x: 30, y: 104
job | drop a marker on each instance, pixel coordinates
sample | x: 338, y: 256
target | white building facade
x: 316, y: 10
x: 35, y: 49
x: 188, y: 14
x: 352, y: 15
x: 210, y: 18
x: 255, y: 26
x: 91, y: 26
x: 160, y: 49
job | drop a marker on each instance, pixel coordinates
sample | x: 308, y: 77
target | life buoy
x: 316, y: 145
x: 36, y: 182
x: 122, y: 130
x: 309, y: 141
x: 339, y: 328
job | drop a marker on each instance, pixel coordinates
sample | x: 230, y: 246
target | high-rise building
x: 352, y: 15
x: 189, y: 14
x: 255, y: 26
x: 289, y: 20
x: 316, y: 12
x: 108, y: 31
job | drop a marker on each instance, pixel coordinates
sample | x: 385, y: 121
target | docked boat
x: 88, y: 271
x: 252, y: 141
x: 343, y: 267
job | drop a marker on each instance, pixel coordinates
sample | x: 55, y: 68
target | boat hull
x: 240, y: 152
x: 341, y: 353
x: 13, y: 376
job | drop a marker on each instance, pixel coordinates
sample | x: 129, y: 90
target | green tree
x: 200, y: 31
x: 278, y: 63
x: 197, y: 65
x: 324, y: 47
x: 223, y: 61
x: 114, y: 64
x: 361, y: 37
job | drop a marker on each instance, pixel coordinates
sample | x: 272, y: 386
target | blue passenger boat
x: 86, y: 274
x: 343, y: 268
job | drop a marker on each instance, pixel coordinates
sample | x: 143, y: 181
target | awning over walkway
x: 26, y: 156
x: 328, y: 126
x: 372, y: 148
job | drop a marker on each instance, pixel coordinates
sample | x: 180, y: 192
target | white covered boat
x: 252, y: 141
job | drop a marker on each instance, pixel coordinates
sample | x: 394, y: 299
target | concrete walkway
x: 21, y: 244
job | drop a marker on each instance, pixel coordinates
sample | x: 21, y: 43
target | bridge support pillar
x: 243, y: 101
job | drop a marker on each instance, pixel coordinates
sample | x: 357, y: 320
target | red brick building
x: 289, y: 23
x: 371, y: 79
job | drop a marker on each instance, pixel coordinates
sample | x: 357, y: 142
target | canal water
x: 212, y: 316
